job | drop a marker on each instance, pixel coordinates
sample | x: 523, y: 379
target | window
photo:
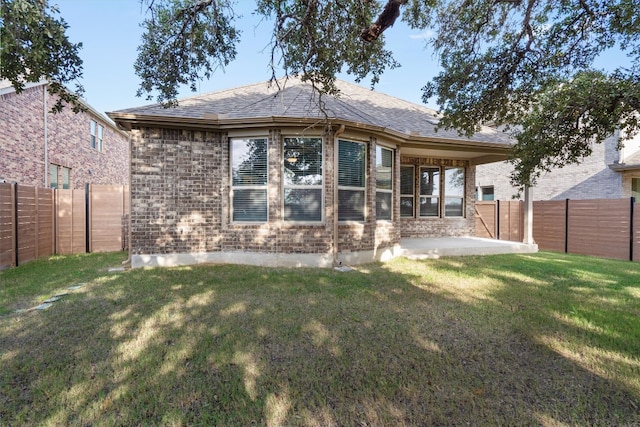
x: 53, y: 176
x: 384, y: 183
x: 430, y: 191
x: 407, y: 185
x: 454, y: 192
x: 97, y: 134
x: 635, y: 188
x: 486, y: 193
x: 351, y: 180
x: 249, y: 177
x: 100, y: 138
x: 302, y: 179
x: 66, y: 178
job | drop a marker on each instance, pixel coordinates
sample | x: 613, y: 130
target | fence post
x: 87, y: 220
x: 497, y: 219
x: 15, y: 224
x: 631, y: 227
x: 566, y: 226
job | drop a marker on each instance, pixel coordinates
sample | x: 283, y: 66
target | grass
x: 543, y: 339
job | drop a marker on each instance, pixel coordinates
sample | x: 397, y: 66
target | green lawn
x: 544, y: 339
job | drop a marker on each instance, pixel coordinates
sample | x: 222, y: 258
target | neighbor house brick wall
x: 418, y: 227
x: 591, y: 179
x: 22, y: 143
x: 22, y: 137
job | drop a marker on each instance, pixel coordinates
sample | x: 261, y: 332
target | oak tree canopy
x: 526, y: 66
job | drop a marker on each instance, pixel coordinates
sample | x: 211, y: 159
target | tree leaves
x: 527, y: 66
x: 35, y: 47
x: 184, y: 40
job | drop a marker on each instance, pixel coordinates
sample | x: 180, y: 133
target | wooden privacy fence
x: 501, y: 220
x: 599, y: 227
x: 39, y: 222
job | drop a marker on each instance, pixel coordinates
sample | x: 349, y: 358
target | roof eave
x: 622, y: 167
x: 221, y: 123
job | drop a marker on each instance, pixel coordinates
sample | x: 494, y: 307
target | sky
x: 110, y: 32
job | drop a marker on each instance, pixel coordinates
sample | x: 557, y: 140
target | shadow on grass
x: 404, y: 343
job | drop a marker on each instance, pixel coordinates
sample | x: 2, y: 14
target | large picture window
x: 303, y: 179
x: 384, y: 183
x: 249, y: 177
x: 407, y: 185
x: 454, y: 191
x: 430, y: 191
x: 351, y: 180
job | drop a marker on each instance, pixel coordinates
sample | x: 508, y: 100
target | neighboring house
x: 62, y: 150
x: 257, y: 175
x: 608, y: 173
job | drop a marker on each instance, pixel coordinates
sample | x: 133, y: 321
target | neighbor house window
x: 454, y: 191
x: 430, y: 191
x: 249, y: 177
x: 486, y: 193
x: 635, y: 188
x: 351, y: 180
x: 97, y: 135
x: 66, y: 178
x: 302, y: 179
x: 384, y: 182
x: 53, y: 176
x: 407, y: 197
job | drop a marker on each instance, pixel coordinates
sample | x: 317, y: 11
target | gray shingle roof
x: 296, y: 99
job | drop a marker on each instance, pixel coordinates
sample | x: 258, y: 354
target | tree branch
x: 386, y: 19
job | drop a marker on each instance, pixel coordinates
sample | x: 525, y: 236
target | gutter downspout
x: 335, y: 194
x: 46, y: 136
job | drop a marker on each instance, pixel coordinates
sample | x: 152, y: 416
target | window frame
x: 387, y: 191
x: 413, y: 191
x: 235, y: 187
x: 362, y: 189
x: 320, y: 186
x: 437, y: 196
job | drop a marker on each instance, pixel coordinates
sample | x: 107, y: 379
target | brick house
x: 608, y: 173
x: 62, y: 150
x: 257, y: 175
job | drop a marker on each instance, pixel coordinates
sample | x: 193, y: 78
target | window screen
x: 351, y: 180
x: 249, y: 176
x: 430, y: 191
x: 303, y: 178
x: 384, y: 183
x: 407, y: 184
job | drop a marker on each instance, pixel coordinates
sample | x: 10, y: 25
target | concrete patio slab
x: 460, y: 246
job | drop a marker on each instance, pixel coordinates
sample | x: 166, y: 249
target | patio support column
x: 528, y: 216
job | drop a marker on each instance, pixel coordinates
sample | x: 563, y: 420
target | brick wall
x: 591, y: 179
x: 441, y: 226
x: 180, y: 200
x: 21, y: 137
x: 22, y: 156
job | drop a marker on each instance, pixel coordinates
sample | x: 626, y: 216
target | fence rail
x: 607, y: 228
x: 39, y: 222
